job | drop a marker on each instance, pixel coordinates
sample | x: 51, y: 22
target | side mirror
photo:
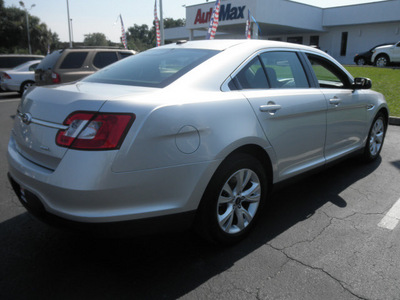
x: 361, y: 83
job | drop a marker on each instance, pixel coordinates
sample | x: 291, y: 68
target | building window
x: 314, y: 40
x: 295, y: 39
x: 343, y: 45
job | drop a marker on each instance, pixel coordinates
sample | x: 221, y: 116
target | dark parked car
x: 73, y: 64
x: 10, y: 61
x: 364, y: 58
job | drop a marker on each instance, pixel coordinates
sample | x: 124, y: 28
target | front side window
x: 73, y: 60
x: 153, y: 68
x: 328, y: 75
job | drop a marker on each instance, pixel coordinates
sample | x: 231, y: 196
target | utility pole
x: 27, y: 23
x: 69, y: 26
x: 161, y: 24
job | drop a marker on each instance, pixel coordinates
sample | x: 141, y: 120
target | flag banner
x: 254, y: 20
x: 48, y: 48
x: 212, y: 29
x: 158, y: 33
x: 248, y: 26
x: 123, y: 37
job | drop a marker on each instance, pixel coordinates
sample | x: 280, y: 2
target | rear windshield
x: 155, y: 68
x: 49, y: 61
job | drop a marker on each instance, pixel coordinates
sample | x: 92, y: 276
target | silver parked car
x: 188, y: 133
x: 20, y: 78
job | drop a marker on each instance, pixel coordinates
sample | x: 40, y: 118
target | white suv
x: 384, y: 55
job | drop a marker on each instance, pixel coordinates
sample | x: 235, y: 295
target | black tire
x: 25, y: 85
x: 361, y: 61
x: 382, y: 61
x: 375, y: 139
x: 240, y: 206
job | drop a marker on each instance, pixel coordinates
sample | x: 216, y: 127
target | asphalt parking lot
x: 333, y: 235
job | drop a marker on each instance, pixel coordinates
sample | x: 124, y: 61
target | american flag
x: 123, y: 38
x: 248, y: 26
x: 158, y: 34
x: 212, y: 29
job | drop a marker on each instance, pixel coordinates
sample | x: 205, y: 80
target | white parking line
x: 392, y: 217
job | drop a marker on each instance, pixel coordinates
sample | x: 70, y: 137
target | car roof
x: 225, y: 44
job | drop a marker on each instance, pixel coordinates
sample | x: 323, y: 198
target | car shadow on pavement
x: 39, y: 262
x: 9, y: 95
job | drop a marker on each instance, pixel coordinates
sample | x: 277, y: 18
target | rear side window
x: 279, y: 70
x: 103, y: 59
x: 33, y: 67
x: 284, y: 70
x: 252, y: 76
x: 73, y: 60
x: 153, y: 68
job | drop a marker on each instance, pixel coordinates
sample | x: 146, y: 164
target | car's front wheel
x: 232, y: 200
x: 376, y: 138
x: 360, y: 61
x: 382, y: 61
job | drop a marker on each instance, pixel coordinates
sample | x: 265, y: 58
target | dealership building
x: 340, y: 31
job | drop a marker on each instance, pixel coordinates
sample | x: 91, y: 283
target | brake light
x: 6, y: 76
x: 55, y: 78
x: 94, y: 131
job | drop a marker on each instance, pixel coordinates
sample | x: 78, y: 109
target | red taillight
x: 6, y: 76
x: 94, y: 131
x: 55, y: 78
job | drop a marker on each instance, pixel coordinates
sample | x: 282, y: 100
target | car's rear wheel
x: 382, y: 61
x: 25, y: 86
x: 232, y: 200
x: 376, y: 138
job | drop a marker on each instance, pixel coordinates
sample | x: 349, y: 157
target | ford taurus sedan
x: 188, y: 134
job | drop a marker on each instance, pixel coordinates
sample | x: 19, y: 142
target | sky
x: 89, y: 16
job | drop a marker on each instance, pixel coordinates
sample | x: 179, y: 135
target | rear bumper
x: 169, y: 223
x: 90, y: 193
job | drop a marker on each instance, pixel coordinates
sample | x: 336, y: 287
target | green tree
x: 96, y: 39
x: 14, y: 36
x: 171, y: 23
x: 141, y: 37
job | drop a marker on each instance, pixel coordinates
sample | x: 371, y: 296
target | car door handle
x: 270, y: 108
x: 335, y: 101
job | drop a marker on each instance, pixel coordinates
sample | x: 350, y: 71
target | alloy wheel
x: 238, y: 201
x: 376, y: 137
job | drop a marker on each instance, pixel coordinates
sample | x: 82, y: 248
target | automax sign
x: 227, y: 12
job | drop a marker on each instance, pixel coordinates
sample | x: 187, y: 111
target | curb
x: 394, y: 121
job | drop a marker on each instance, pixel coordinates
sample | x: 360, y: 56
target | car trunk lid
x: 42, y: 112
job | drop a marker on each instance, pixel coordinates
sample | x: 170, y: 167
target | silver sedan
x: 192, y: 133
x: 20, y: 78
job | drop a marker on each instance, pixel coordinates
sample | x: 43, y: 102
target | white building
x: 341, y: 31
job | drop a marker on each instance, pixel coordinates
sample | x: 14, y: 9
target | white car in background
x: 19, y: 78
x: 385, y: 55
x: 192, y: 133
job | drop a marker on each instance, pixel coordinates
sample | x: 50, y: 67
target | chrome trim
x: 22, y: 116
